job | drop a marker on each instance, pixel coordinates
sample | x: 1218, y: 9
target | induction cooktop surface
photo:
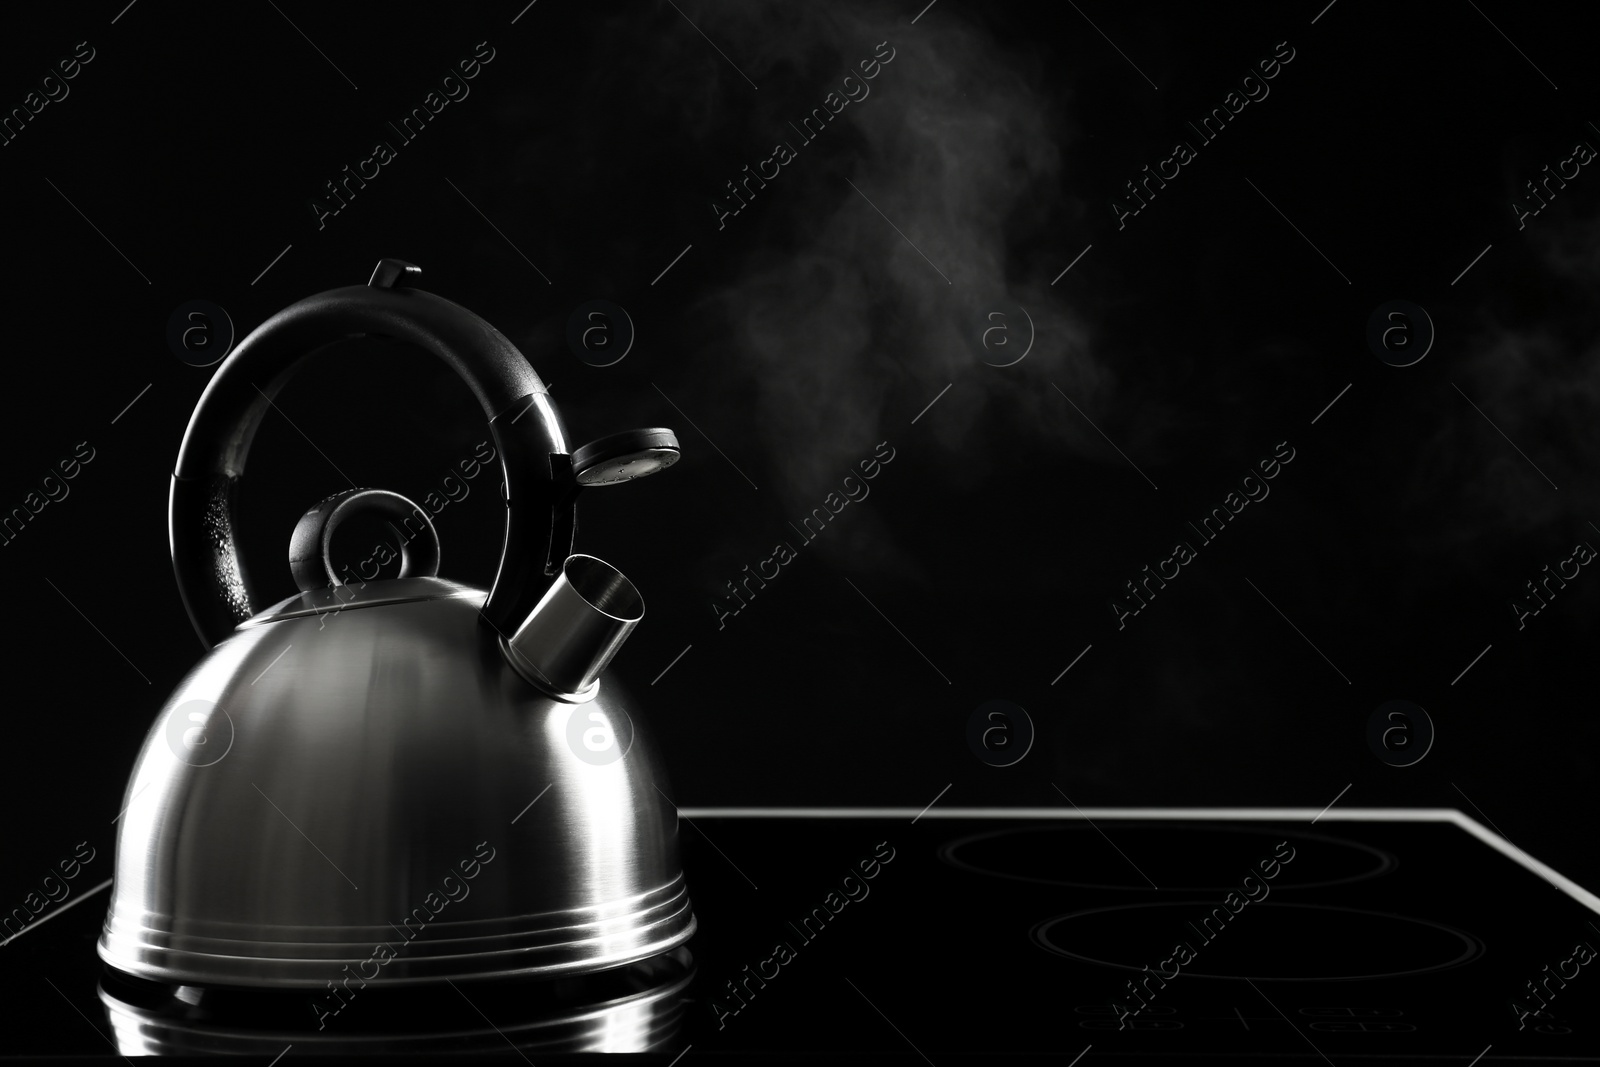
x: 1096, y: 935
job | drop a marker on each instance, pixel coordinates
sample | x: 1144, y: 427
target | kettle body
x: 382, y: 783
x: 376, y: 774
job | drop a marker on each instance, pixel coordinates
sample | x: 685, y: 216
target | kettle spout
x: 575, y: 629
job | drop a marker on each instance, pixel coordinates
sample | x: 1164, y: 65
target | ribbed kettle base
x: 548, y: 944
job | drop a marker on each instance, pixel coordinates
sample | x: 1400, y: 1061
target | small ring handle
x: 311, y: 545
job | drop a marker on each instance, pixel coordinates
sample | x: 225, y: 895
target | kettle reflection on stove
x: 636, y: 1008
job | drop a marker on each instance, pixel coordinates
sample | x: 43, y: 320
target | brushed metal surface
x: 370, y: 753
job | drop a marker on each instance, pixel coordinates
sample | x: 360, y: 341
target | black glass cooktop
x: 964, y: 936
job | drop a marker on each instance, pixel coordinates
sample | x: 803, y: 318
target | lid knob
x: 311, y: 546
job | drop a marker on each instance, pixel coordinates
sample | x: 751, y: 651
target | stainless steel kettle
x: 406, y: 780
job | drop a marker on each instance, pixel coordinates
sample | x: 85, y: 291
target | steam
x: 956, y: 150
x: 1535, y: 371
x: 845, y: 338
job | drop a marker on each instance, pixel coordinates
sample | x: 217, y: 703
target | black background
x: 808, y: 330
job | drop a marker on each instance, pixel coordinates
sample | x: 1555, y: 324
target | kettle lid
x: 324, y: 590
x: 330, y: 600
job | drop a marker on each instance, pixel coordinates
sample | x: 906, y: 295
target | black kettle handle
x: 539, y: 485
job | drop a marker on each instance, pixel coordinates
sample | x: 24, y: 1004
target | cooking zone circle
x: 1177, y: 857
x: 1267, y: 942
